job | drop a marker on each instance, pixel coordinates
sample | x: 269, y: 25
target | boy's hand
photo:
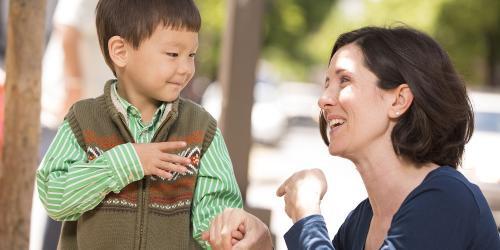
x: 237, y: 230
x: 156, y: 159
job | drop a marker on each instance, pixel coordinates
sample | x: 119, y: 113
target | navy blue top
x: 445, y: 211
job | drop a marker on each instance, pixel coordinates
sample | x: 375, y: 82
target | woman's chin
x: 334, y: 150
x: 337, y: 150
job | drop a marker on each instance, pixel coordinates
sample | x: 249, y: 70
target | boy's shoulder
x: 186, y: 105
x: 89, y: 105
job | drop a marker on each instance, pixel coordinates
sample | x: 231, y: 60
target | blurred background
x: 295, y: 39
x: 298, y: 36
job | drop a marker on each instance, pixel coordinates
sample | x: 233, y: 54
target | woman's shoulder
x: 446, y: 192
x: 362, y: 210
x: 445, y: 206
x: 446, y: 184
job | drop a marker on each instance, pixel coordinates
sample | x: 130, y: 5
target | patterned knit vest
x: 148, y: 214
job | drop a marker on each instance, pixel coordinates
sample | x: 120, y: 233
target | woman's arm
x: 309, y: 233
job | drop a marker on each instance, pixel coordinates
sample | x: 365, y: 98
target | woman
x: 392, y: 104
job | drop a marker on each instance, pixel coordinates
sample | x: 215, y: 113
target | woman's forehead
x: 347, y: 58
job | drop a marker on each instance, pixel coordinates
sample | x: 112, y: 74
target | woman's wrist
x: 301, y: 214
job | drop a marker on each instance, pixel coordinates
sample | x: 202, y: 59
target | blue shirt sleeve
x: 309, y: 233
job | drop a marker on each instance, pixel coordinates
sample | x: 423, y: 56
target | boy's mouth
x: 175, y: 83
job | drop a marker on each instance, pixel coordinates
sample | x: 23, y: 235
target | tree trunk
x: 240, y: 52
x: 22, y: 120
x: 493, y: 59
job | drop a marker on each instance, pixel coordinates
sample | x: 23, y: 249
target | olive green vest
x: 148, y: 214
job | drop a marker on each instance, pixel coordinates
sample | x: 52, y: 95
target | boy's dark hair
x: 440, y: 120
x: 136, y: 20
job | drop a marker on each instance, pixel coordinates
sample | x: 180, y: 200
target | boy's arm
x: 216, y: 187
x: 69, y: 185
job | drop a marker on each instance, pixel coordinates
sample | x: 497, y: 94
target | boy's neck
x: 147, y: 106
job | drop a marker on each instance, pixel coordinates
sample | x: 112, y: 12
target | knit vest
x: 151, y: 213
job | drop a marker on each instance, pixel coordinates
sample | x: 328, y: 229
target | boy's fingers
x: 167, y: 166
x: 170, y: 145
x: 205, y: 235
x: 163, y: 174
x: 175, y: 158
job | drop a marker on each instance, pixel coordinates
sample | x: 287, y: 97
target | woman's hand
x: 303, y: 192
x: 236, y: 229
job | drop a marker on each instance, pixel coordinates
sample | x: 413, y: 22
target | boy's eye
x: 192, y: 55
x: 172, y: 54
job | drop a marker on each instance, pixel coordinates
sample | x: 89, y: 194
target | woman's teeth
x: 336, y: 122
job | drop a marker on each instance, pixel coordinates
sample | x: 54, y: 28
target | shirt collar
x: 131, y: 110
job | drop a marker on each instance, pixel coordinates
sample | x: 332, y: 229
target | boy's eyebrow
x: 177, y: 44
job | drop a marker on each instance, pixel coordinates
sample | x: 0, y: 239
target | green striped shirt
x: 68, y: 185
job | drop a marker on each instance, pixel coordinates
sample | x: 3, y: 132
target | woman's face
x: 355, y: 109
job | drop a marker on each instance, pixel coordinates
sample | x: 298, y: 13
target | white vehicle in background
x: 481, y: 162
x: 300, y: 102
x: 269, y: 123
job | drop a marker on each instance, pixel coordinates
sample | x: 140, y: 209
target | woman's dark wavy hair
x: 440, y: 121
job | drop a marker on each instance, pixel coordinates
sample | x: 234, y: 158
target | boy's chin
x: 169, y: 98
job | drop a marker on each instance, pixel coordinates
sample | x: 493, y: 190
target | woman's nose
x: 326, y: 100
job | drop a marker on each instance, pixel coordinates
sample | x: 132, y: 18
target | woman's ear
x: 403, y: 98
x: 117, y: 48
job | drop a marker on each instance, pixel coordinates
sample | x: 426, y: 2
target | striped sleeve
x: 216, y: 187
x: 69, y: 185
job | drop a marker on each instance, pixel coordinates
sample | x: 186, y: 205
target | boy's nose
x: 185, y: 67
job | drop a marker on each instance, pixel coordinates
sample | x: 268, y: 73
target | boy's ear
x: 117, y: 48
x: 402, y: 100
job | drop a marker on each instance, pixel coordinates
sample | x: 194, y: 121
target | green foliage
x: 213, y: 16
x: 470, y: 32
x: 299, y: 34
x: 287, y: 25
x: 348, y: 15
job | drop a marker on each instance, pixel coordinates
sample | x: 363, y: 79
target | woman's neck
x: 389, y: 179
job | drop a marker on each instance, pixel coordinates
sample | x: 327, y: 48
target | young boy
x: 139, y: 167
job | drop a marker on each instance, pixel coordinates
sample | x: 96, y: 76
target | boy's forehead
x: 176, y: 36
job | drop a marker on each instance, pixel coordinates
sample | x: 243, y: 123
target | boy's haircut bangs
x: 136, y: 20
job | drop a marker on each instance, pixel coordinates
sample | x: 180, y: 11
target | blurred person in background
x: 4, y: 11
x: 394, y: 105
x: 72, y: 69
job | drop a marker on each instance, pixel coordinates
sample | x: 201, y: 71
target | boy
x: 139, y: 167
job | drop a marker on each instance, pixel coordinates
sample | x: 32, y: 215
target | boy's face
x: 162, y: 65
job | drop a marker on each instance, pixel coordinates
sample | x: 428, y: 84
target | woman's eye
x: 344, y: 79
x: 192, y: 55
x: 172, y: 54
